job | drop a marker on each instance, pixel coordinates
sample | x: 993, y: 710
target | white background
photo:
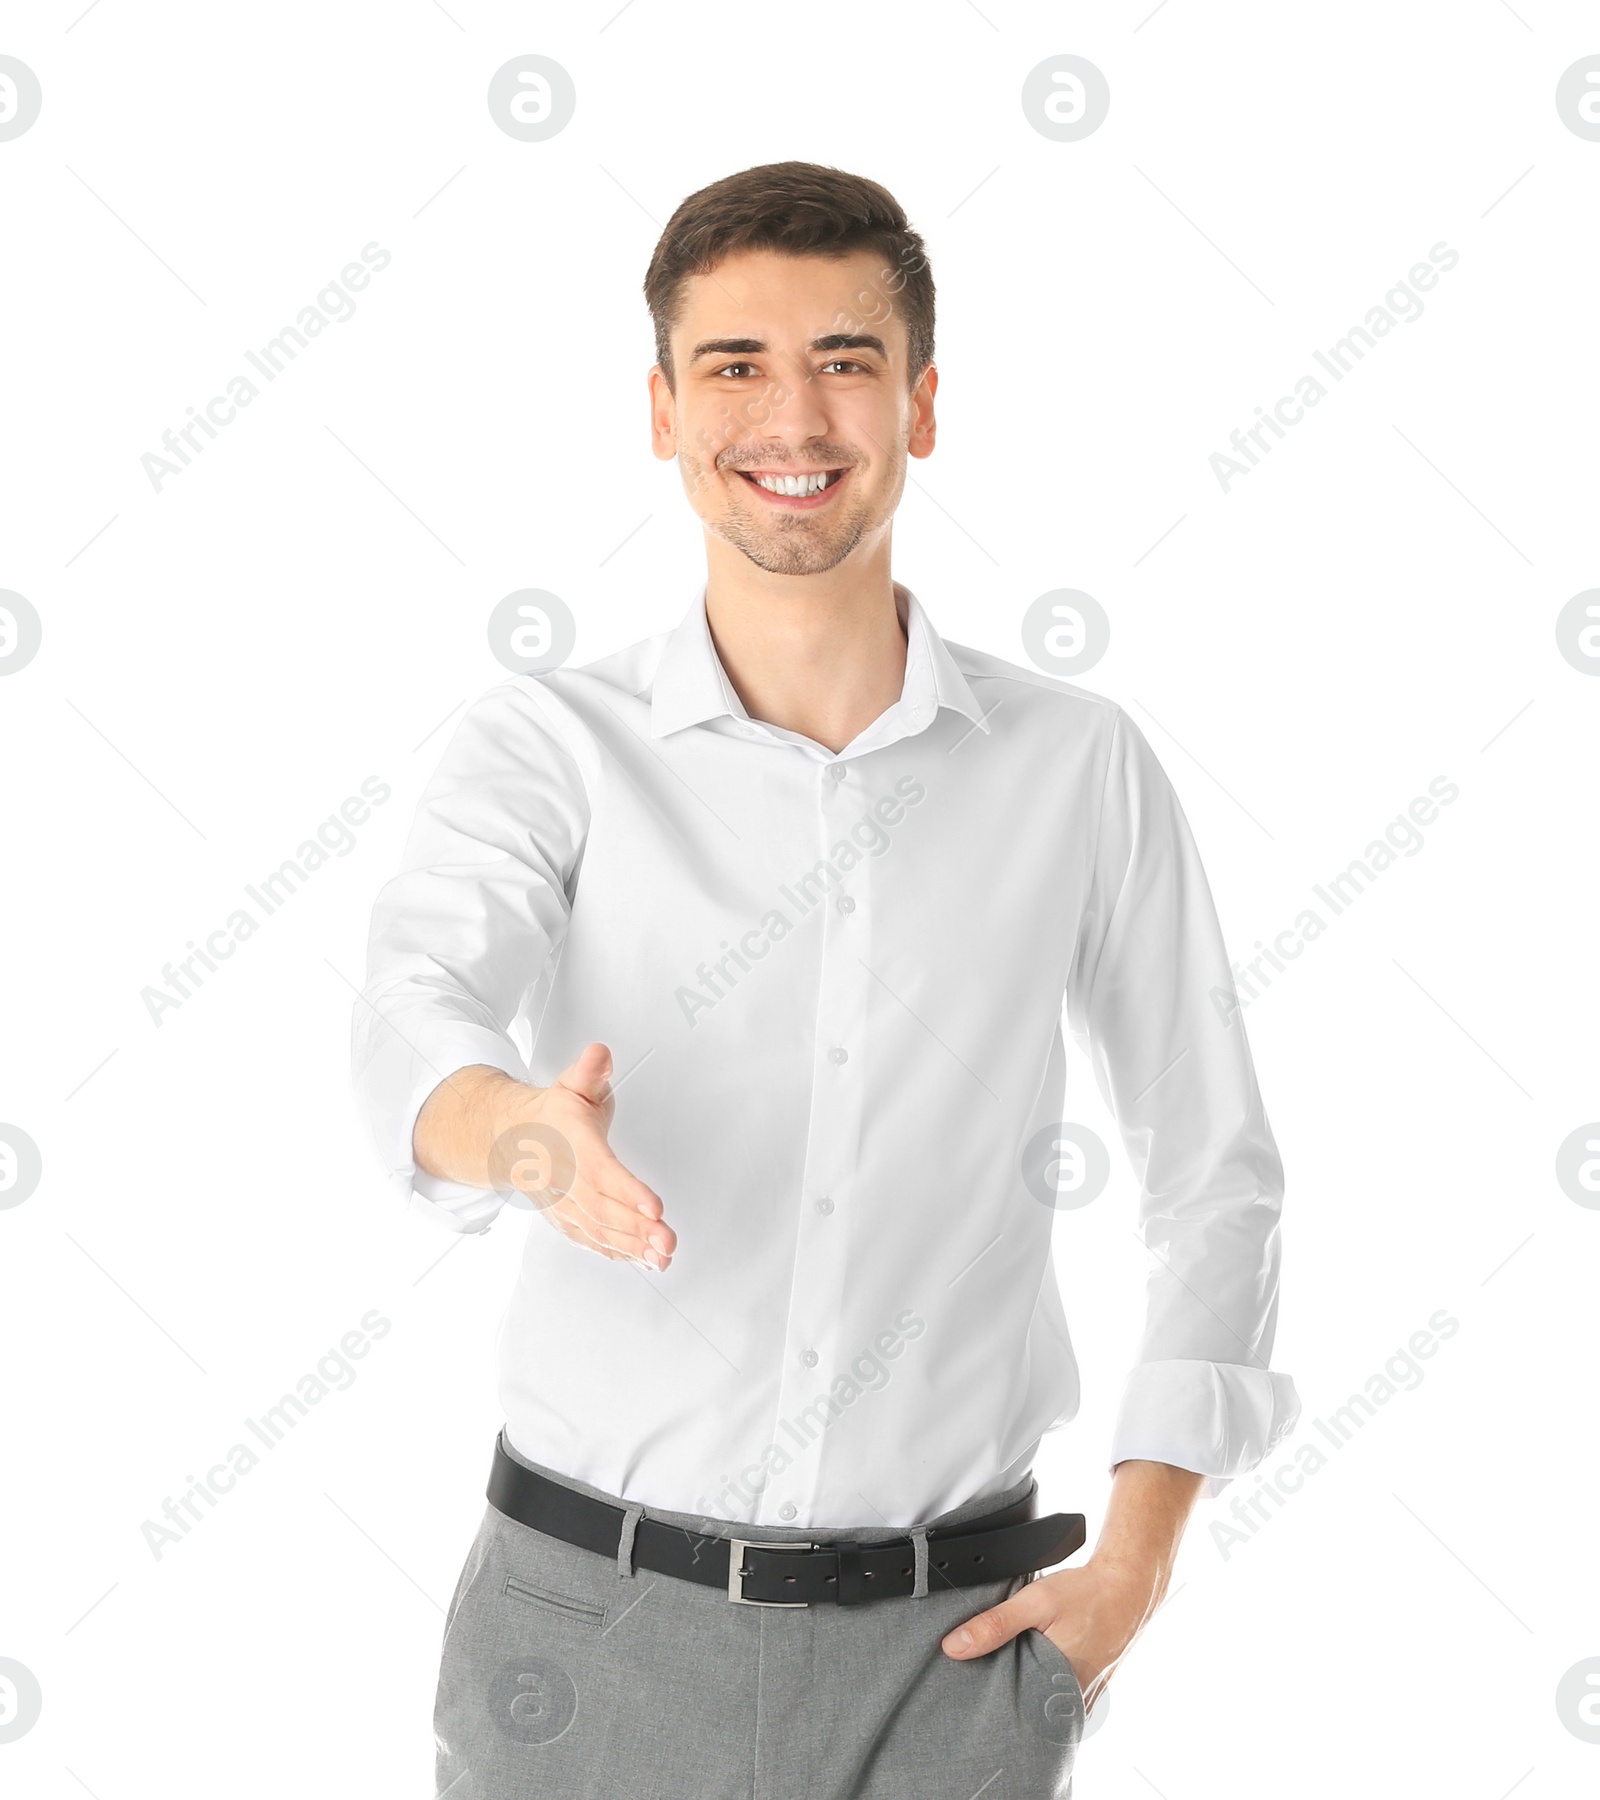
x: 224, y: 662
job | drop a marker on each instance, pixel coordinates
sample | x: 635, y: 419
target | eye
x: 844, y: 362
x: 728, y: 367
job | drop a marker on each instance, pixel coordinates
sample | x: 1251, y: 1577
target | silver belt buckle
x: 737, y: 1570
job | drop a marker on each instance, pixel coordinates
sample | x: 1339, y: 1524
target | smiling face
x: 793, y: 414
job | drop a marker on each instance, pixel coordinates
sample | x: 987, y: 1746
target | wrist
x: 500, y: 1105
x: 463, y: 1119
x: 1143, y: 1569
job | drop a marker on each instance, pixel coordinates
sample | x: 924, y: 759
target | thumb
x: 989, y: 1630
x: 589, y: 1074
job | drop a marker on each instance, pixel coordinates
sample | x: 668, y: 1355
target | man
x: 742, y: 953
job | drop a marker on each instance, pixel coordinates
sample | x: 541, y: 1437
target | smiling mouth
x: 807, y: 490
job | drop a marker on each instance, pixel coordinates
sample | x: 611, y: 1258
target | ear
x: 663, y: 416
x: 923, y: 425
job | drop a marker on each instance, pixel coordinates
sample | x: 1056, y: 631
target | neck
x: 822, y: 655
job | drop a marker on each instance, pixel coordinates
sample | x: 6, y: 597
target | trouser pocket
x: 566, y: 1604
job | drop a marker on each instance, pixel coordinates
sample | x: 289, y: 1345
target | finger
x: 576, y: 1226
x: 601, y: 1174
x: 601, y: 1221
x: 592, y: 1177
x: 589, y: 1074
x: 999, y: 1625
x: 620, y: 1224
x: 625, y: 1238
x: 612, y: 1177
x: 615, y: 1212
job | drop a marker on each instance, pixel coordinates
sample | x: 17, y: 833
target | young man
x: 743, y: 954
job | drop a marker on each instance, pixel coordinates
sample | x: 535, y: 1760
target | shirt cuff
x: 453, y: 1204
x: 1218, y: 1419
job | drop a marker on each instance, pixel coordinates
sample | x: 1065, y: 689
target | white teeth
x: 800, y: 486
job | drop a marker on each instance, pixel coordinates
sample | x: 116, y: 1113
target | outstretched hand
x: 551, y: 1144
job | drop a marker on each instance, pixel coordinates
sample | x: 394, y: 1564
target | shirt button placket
x: 822, y: 1333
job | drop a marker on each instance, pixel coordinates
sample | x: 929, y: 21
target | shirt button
x: 810, y: 1359
x: 837, y: 771
x: 838, y: 1056
x: 786, y: 1511
x: 846, y: 904
x: 824, y: 1205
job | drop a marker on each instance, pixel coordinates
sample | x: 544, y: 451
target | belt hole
x: 905, y: 1571
x: 790, y: 1579
x: 977, y: 1559
x: 944, y: 1565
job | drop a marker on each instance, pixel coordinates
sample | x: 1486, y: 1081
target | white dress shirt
x: 833, y: 987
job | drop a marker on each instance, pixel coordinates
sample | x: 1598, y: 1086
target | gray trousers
x: 568, y: 1675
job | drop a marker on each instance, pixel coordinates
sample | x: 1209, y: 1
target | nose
x: 797, y: 409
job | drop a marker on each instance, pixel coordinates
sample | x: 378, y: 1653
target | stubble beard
x: 796, y: 544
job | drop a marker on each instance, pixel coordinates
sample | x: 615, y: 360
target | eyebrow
x: 840, y: 340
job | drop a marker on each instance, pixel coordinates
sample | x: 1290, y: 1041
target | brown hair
x: 801, y: 209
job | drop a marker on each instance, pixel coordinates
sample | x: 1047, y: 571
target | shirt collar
x: 692, y: 686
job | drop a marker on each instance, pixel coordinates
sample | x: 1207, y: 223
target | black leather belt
x: 991, y: 1548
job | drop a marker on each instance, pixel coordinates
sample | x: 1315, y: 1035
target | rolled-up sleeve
x: 1151, y: 1001
x: 462, y: 936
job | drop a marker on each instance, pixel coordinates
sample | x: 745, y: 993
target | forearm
x: 1145, y: 1518
x: 463, y: 1117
